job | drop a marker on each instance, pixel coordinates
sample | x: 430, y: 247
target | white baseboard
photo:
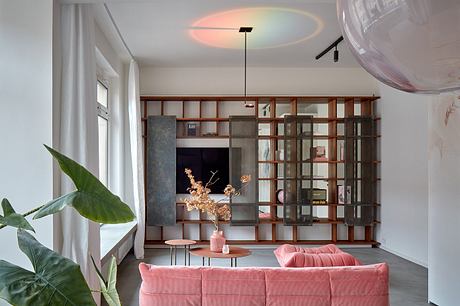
x: 410, y: 258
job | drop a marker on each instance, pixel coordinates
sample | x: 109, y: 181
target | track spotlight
x: 332, y: 46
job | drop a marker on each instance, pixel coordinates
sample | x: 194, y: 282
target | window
x: 103, y: 127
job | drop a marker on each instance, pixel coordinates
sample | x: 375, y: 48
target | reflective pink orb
x: 411, y: 45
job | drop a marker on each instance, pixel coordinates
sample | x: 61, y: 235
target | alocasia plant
x: 57, y: 280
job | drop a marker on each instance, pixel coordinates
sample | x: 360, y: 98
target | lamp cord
x: 245, y: 63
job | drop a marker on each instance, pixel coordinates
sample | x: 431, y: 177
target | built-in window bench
x: 117, y: 240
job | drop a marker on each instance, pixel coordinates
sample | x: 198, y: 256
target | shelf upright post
x: 349, y: 112
x: 332, y: 166
x: 274, y: 148
x: 367, y: 110
x: 294, y: 113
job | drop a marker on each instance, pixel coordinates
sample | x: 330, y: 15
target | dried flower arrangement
x: 200, y: 199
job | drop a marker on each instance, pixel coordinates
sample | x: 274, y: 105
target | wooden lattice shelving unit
x: 269, y: 111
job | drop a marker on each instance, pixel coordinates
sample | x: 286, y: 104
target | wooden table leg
x: 170, y: 254
x: 203, y: 261
x: 175, y: 255
x: 209, y: 261
x: 189, y: 255
x: 236, y: 263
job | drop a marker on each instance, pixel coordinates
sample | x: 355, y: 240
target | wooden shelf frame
x: 349, y: 103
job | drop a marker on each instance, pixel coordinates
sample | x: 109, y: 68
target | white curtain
x: 76, y: 132
x: 137, y: 159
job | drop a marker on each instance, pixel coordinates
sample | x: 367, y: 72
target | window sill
x: 113, y: 236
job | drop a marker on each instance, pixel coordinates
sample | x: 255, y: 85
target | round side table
x: 235, y: 253
x: 173, y: 244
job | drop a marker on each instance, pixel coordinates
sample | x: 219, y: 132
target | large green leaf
x: 56, y: 280
x: 11, y: 218
x: 91, y: 199
x: 109, y: 288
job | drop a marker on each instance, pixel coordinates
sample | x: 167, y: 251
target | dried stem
x: 200, y: 199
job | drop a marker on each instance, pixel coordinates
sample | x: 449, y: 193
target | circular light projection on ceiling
x: 273, y: 27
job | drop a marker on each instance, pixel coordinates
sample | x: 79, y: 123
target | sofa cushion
x: 233, y: 287
x: 324, y: 256
x: 297, y: 287
x: 364, y: 285
x: 284, y: 249
x: 170, y: 286
x: 294, y: 260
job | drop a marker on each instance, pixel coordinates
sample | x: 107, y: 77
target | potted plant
x: 201, y: 200
x: 57, y: 280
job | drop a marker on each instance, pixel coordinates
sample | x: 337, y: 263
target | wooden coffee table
x: 173, y: 244
x: 235, y: 253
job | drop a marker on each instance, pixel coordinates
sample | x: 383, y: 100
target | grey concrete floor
x: 408, y: 281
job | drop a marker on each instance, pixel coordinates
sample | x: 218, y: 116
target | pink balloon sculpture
x: 411, y: 45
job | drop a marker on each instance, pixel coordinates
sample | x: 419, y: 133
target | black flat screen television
x: 202, y: 161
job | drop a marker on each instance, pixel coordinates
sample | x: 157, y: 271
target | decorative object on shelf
x: 210, y: 135
x: 264, y: 215
x: 280, y: 196
x: 319, y: 153
x: 192, y: 128
x: 226, y: 249
x: 280, y: 155
x: 342, y: 198
x: 341, y: 152
x: 315, y: 196
x: 200, y: 200
x: 411, y: 45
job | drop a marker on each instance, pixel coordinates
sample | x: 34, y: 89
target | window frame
x: 104, y: 114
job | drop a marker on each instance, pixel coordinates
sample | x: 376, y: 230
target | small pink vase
x: 217, y: 241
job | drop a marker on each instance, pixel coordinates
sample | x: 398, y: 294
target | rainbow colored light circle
x: 273, y: 27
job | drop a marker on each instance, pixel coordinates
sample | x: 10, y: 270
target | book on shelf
x: 192, y: 129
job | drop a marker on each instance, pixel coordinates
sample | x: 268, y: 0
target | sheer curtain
x: 137, y: 159
x: 75, y: 132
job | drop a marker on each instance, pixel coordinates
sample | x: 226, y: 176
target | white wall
x: 444, y: 208
x: 25, y: 115
x: 404, y: 172
x: 261, y: 81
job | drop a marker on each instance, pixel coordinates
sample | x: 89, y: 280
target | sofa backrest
x: 293, y: 260
x: 180, y: 285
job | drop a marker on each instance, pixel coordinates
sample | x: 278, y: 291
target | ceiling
x: 182, y: 33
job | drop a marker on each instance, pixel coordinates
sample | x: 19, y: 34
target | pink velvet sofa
x: 213, y: 286
x: 324, y: 256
